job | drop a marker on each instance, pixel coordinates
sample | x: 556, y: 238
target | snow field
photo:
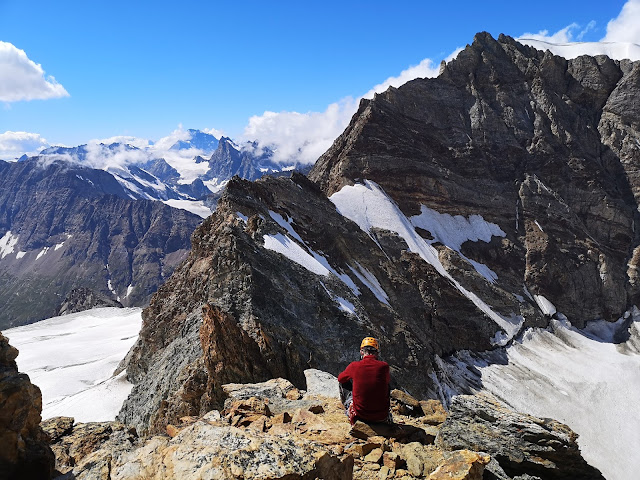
x: 579, y: 378
x: 72, y: 359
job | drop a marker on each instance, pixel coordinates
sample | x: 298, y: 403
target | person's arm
x: 346, y: 376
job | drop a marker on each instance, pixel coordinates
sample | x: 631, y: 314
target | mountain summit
x: 451, y: 214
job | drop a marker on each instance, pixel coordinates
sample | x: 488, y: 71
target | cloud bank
x: 23, y: 79
x: 621, y: 41
x: 625, y: 27
x: 15, y: 144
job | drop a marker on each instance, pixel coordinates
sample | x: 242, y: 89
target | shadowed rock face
x: 541, y: 146
x: 515, y: 140
x: 24, y: 449
x: 74, y: 227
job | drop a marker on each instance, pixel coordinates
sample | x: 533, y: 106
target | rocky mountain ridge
x: 272, y: 430
x: 451, y: 214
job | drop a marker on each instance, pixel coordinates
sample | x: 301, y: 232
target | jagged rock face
x: 64, y: 227
x: 461, y: 209
x: 541, y: 146
x: 235, y: 299
x: 24, y: 449
x: 521, y: 444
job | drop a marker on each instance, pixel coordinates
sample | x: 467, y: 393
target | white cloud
x: 303, y: 137
x: 564, y: 35
x: 214, y: 131
x: 621, y: 41
x: 23, y: 79
x: 626, y: 27
x: 15, y: 144
x: 99, y: 156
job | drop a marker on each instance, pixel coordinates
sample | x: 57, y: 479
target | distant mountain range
x: 111, y: 220
x: 147, y: 174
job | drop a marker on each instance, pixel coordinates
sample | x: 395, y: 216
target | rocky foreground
x: 272, y: 430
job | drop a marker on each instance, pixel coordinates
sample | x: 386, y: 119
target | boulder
x: 24, y: 449
x: 321, y: 383
x: 520, y: 443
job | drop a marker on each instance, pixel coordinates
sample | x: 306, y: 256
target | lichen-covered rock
x: 204, y: 449
x: 24, y: 448
x: 461, y: 465
x: 520, y: 443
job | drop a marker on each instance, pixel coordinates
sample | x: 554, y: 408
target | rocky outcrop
x: 24, y: 449
x: 81, y: 299
x: 272, y: 430
x: 521, y: 444
x: 63, y: 226
x: 451, y: 214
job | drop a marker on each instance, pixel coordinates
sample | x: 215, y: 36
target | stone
x: 520, y: 443
x: 316, y: 409
x: 202, y: 450
x: 24, y: 449
x: 461, y: 465
x: 404, y: 433
x: 374, y: 456
x: 433, y: 411
x: 419, y: 459
x: 321, y: 383
x: 172, y: 430
x: 57, y: 427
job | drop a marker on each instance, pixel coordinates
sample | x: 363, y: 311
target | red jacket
x: 370, y: 387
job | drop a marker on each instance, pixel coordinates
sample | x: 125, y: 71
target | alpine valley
x: 483, y: 225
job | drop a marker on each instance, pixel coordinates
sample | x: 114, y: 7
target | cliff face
x: 543, y: 147
x: 452, y: 213
x: 24, y: 448
x: 63, y: 226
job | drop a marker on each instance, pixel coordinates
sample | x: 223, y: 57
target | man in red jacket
x: 369, y: 381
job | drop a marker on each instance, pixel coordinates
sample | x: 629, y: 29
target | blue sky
x: 144, y: 68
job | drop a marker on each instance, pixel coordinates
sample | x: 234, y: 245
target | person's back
x: 370, y: 379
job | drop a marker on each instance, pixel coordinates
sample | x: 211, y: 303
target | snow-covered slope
x: 584, y: 378
x: 72, y: 359
x: 614, y: 50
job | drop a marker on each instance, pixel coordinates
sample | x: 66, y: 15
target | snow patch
x: 198, y: 207
x: 129, y: 290
x: 538, y: 225
x: 72, y: 359
x: 371, y: 282
x: 545, y: 305
x: 369, y: 207
x: 318, y: 259
x: 453, y: 231
x: 285, y: 246
x: 19, y: 255
x: 242, y: 217
x: 7, y: 244
x: 58, y: 246
x: 345, y: 305
x: 42, y: 252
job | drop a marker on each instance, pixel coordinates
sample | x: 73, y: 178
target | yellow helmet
x: 369, y: 342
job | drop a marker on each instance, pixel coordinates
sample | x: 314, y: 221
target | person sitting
x: 364, y: 386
